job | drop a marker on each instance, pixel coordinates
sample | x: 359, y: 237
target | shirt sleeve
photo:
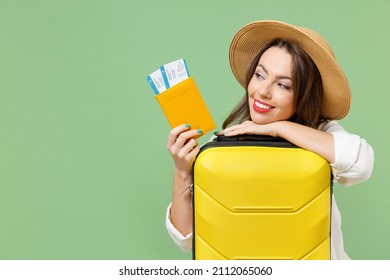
x: 354, y: 157
x: 183, y: 242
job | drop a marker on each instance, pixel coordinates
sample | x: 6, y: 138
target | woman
x: 296, y: 90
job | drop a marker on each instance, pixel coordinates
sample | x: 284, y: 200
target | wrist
x: 182, y: 182
x: 278, y: 128
x: 183, y: 176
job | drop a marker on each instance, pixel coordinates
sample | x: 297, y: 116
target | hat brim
x: 252, y: 37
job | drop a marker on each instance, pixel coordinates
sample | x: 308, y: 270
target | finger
x: 185, y: 136
x: 242, y: 128
x: 228, y: 130
x: 237, y: 131
x: 192, y: 155
x: 175, y: 132
x: 240, y: 131
x: 188, y: 148
x: 182, y: 140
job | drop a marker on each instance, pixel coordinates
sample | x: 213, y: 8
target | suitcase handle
x: 248, y: 140
x: 249, y: 137
x: 253, y: 140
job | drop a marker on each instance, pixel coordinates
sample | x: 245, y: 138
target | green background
x: 84, y: 171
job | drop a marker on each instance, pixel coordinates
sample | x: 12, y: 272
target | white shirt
x: 354, y: 161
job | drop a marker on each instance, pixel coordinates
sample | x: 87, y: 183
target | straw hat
x: 253, y: 36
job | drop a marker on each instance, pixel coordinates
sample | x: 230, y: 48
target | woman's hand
x: 183, y: 148
x: 250, y: 127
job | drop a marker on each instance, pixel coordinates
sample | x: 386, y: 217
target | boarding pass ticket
x: 168, y: 75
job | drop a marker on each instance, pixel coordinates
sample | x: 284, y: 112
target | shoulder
x: 331, y: 127
x: 354, y: 157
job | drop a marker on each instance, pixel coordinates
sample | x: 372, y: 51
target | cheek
x: 290, y: 106
x: 248, y: 91
x: 251, y: 87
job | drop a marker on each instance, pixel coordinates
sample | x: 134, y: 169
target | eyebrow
x: 280, y: 77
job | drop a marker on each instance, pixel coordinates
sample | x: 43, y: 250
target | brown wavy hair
x: 306, y: 85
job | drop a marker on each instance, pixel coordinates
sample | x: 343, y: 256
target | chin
x: 262, y: 121
x: 265, y: 120
x: 258, y: 119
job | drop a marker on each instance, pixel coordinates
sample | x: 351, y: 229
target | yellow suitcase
x: 260, y: 199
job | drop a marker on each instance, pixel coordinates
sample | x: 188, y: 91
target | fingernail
x: 200, y: 131
x: 215, y: 132
x: 187, y: 125
x: 226, y: 133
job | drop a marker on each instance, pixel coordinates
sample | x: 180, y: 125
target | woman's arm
x: 311, y: 139
x: 183, y: 147
x: 351, y: 157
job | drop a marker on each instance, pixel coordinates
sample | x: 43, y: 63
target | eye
x: 259, y: 76
x: 284, y: 86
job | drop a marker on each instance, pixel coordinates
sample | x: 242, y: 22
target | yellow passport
x: 183, y: 104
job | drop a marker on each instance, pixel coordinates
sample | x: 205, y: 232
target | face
x: 270, y: 93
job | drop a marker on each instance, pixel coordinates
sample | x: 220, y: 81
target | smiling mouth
x: 261, y: 107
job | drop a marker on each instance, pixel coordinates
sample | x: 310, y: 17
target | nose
x: 264, y: 90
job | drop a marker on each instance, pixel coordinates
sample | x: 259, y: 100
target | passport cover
x: 183, y: 104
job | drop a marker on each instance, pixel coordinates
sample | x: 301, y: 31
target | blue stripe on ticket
x: 164, y: 74
x: 152, y: 85
x: 168, y: 75
x: 185, y: 65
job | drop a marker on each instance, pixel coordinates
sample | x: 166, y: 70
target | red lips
x: 261, y: 107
